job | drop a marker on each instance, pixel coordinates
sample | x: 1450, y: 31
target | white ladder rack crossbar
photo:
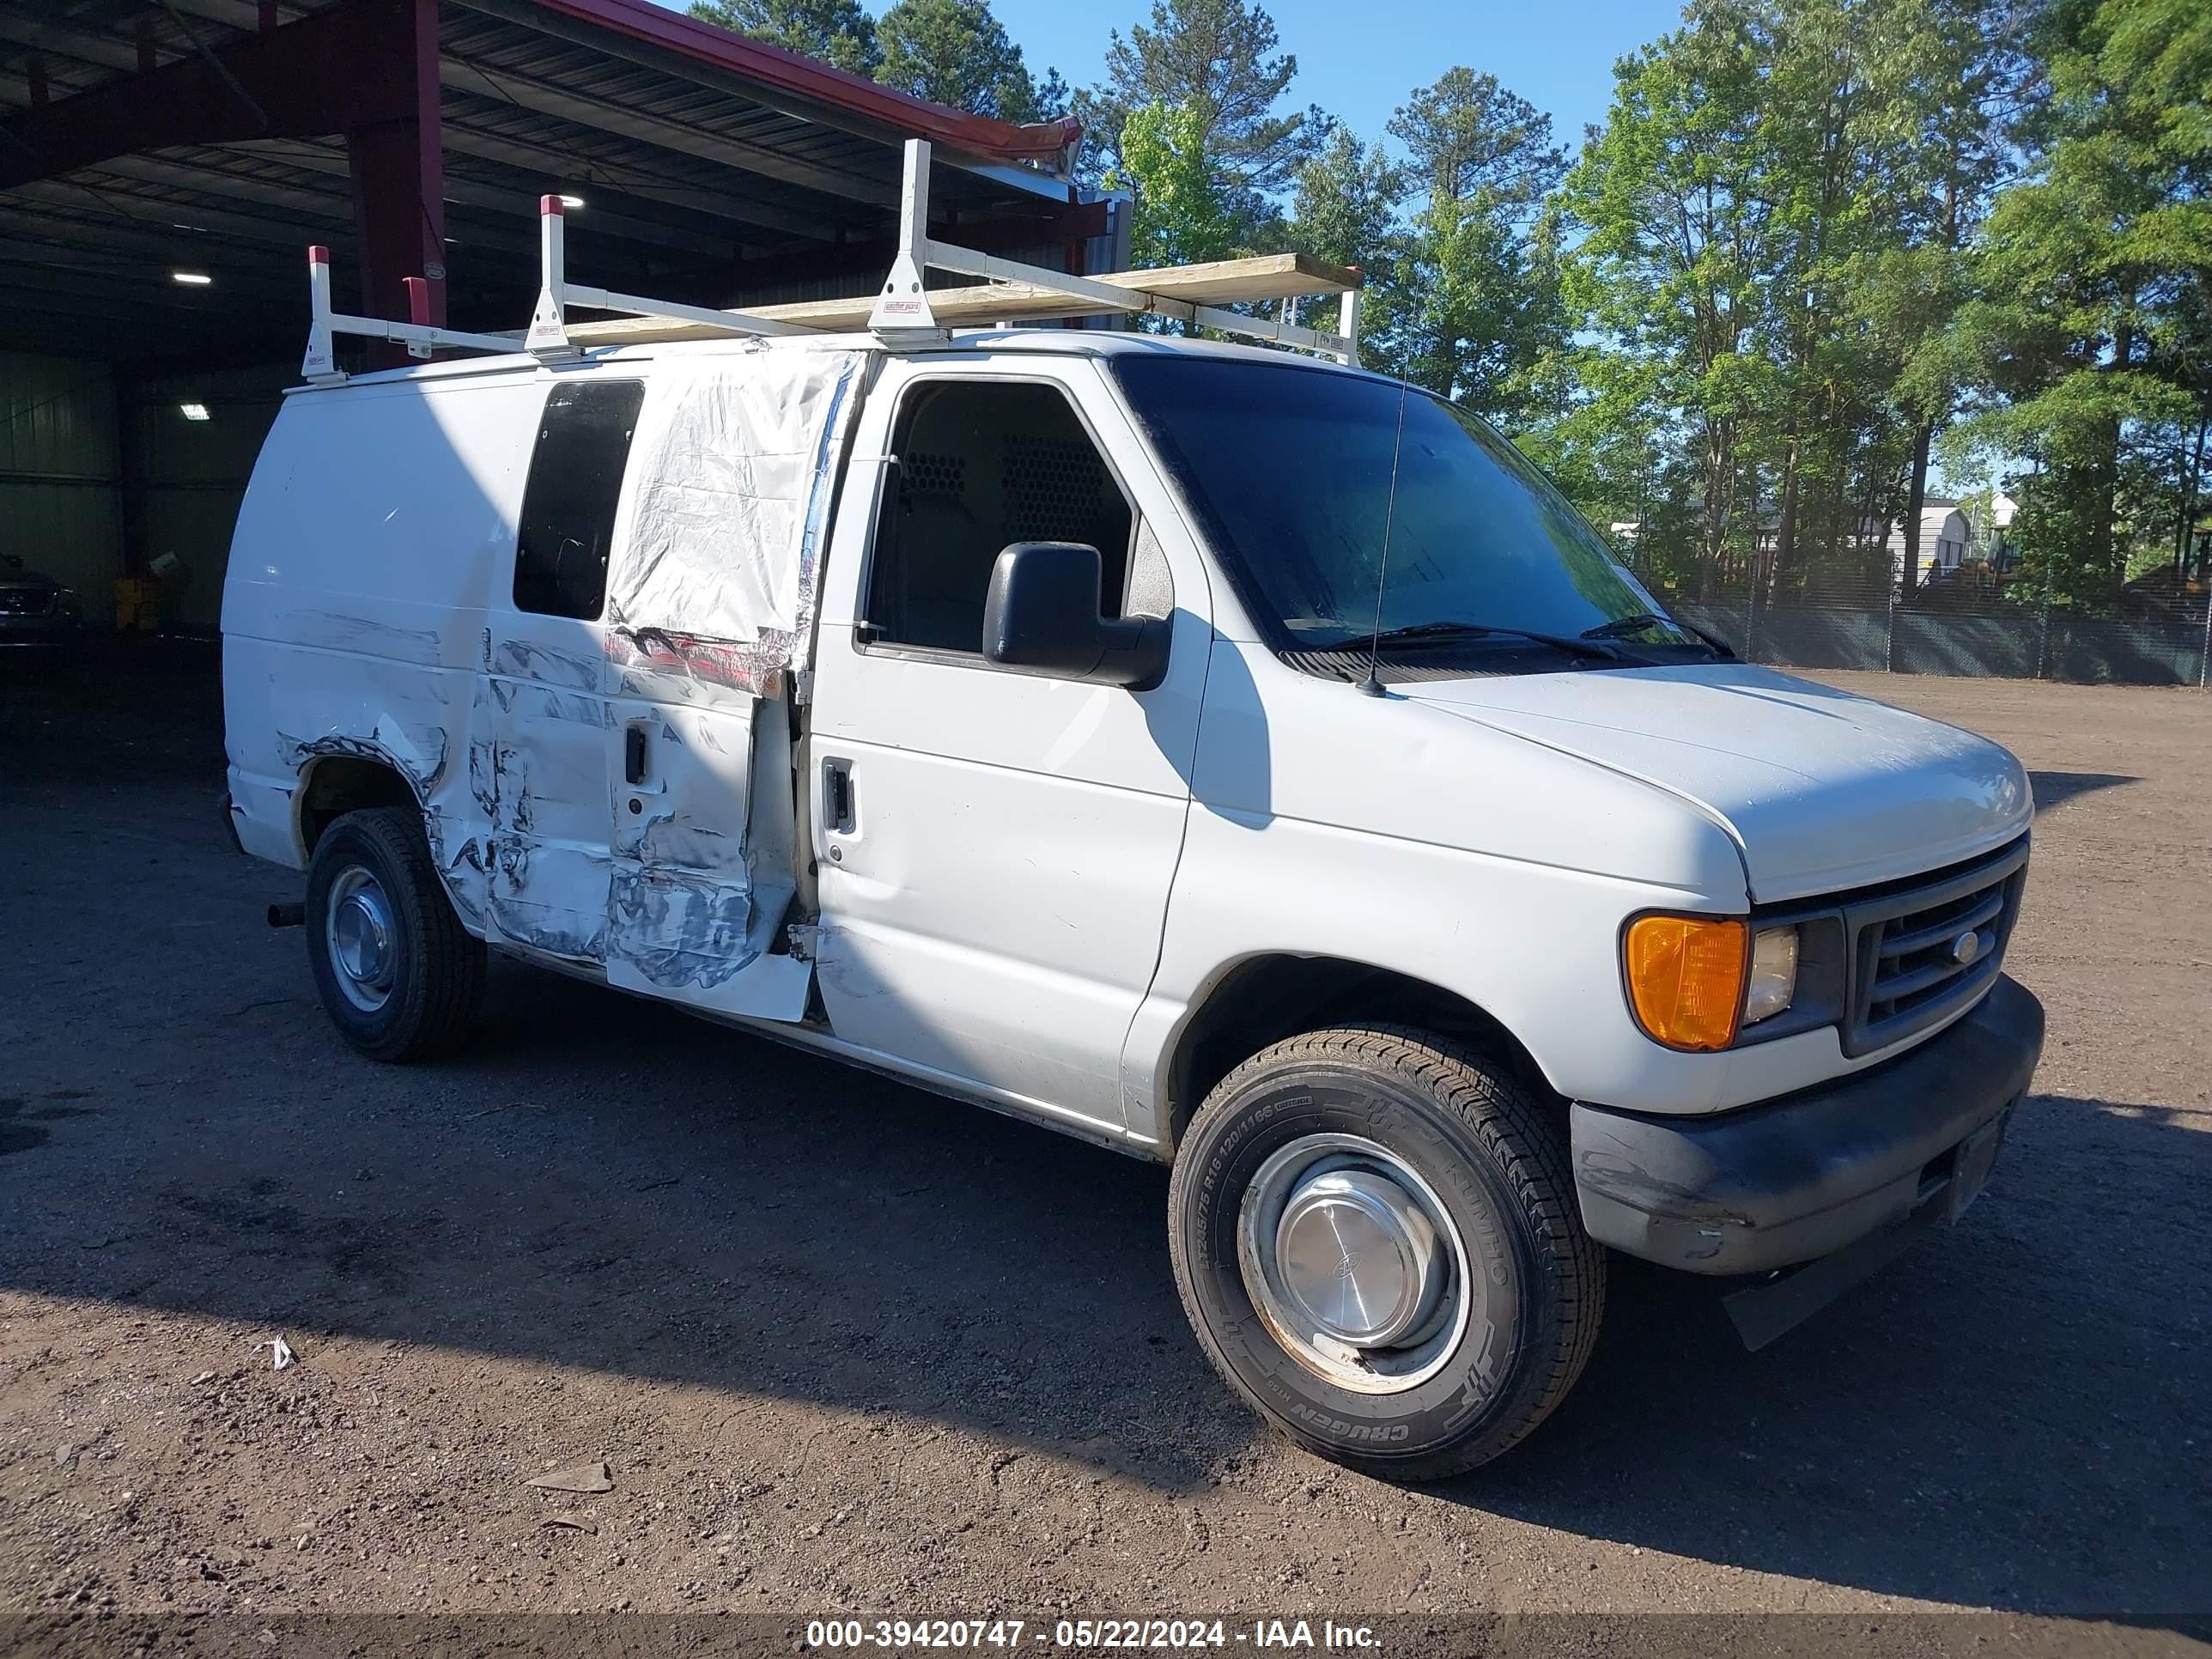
x: 320, y: 364
x: 904, y: 305
x: 549, y: 334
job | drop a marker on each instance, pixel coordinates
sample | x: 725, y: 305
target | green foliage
x: 1345, y: 206
x: 2093, y: 325
x: 1217, y: 60
x: 1817, y: 249
x: 837, y: 32
x: 1469, y: 299
x: 1180, y: 217
x: 1472, y: 139
x: 1676, y: 237
x: 955, y: 52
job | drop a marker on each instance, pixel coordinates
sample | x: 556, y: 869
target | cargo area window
x: 983, y: 464
x: 569, y: 501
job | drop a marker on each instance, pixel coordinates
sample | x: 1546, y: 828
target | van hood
x: 1820, y: 790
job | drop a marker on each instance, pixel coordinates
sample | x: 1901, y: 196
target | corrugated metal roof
x: 712, y: 168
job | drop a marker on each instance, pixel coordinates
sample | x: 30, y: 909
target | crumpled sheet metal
x: 736, y: 458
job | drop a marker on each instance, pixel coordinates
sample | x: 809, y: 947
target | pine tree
x: 956, y: 52
x: 837, y: 32
x: 1345, y: 206
x: 1345, y: 210
x: 1217, y: 60
x: 1676, y: 237
x: 1472, y: 139
x: 2095, y: 322
x: 1470, y: 300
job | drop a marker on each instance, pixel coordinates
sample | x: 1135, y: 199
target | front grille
x: 1907, y: 943
x: 25, y: 601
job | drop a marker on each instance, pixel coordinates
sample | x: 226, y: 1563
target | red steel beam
x: 396, y: 165
x: 368, y: 69
x: 327, y: 73
x: 804, y: 78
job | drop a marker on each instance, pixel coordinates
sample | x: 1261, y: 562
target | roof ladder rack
x: 902, y: 309
x: 421, y: 339
x: 549, y: 337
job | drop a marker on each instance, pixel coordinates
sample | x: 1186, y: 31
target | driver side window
x: 983, y: 464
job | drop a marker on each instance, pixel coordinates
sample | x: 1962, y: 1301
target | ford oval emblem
x: 1966, y: 948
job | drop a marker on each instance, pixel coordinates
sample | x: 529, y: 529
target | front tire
x: 397, y: 973
x: 1373, y: 1232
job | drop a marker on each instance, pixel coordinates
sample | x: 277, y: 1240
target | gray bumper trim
x: 1800, y: 1178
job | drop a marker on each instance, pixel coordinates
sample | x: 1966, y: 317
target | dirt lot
x: 845, y: 1347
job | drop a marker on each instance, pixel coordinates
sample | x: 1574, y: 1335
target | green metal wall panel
x: 60, y: 493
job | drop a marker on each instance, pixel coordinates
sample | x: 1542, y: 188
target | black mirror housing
x: 1043, y: 614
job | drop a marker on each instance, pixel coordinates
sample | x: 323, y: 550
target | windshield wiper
x: 1621, y: 626
x: 1435, y: 632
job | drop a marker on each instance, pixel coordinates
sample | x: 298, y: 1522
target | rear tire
x: 397, y: 973
x: 1463, y: 1167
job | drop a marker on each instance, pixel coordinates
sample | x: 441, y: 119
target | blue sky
x: 1359, y: 60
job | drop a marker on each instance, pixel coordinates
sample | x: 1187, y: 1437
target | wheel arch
x: 1264, y: 999
x: 335, y: 782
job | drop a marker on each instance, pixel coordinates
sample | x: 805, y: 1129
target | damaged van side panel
x: 371, y: 614
x: 702, y: 859
x: 355, y: 611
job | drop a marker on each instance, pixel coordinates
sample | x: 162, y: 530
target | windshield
x: 1289, y: 468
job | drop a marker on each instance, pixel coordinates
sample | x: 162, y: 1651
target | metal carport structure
x: 139, y: 139
x: 415, y: 137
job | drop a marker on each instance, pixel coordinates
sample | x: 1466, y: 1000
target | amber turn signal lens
x: 1686, y: 979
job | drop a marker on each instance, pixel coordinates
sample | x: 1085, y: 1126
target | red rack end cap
x: 318, y: 255
x: 550, y: 204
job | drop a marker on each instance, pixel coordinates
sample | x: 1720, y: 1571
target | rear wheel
x: 1373, y: 1233
x: 398, y: 974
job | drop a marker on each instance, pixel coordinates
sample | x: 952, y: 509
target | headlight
x: 1773, y: 985
x: 1685, y: 978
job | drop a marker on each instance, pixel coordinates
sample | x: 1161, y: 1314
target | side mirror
x: 1043, y: 616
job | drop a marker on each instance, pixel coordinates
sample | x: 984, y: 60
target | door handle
x: 633, y: 755
x: 837, y: 806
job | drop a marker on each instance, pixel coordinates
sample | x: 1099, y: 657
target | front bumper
x: 1801, y: 1178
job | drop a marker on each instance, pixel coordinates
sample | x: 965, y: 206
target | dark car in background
x: 35, y: 610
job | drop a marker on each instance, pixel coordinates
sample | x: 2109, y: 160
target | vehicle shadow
x: 2052, y: 790
x: 2013, y: 1416
x: 2001, y: 1419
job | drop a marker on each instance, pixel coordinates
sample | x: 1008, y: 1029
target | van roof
x: 1046, y: 342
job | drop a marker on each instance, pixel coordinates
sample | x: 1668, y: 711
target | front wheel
x: 398, y: 974
x: 1373, y: 1231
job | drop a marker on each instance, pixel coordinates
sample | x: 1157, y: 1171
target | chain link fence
x: 1960, y: 622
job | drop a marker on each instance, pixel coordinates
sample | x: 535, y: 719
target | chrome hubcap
x: 1357, y: 1257
x: 1353, y: 1263
x: 359, y: 930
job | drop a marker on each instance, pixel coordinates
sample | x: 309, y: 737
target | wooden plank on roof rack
x: 1217, y: 282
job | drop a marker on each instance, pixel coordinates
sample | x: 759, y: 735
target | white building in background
x: 1949, y: 539
x: 1989, y: 543
x: 1944, y: 535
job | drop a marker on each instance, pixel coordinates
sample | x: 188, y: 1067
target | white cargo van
x: 1233, y: 758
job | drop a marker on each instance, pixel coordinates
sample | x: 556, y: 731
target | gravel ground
x: 845, y: 1346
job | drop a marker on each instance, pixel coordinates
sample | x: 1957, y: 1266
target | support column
x: 398, y: 169
x: 128, y: 390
